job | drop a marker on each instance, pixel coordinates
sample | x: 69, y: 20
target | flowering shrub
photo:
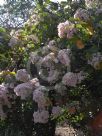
x: 62, y: 80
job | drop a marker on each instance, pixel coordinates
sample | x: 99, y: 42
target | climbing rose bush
x: 61, y: 77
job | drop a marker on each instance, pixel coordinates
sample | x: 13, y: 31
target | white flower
x: 41, y: 116
x: 82, y: 14
x: 56, y: 111
x: 64, y: 56
x: 22, y: 75
x: 66, y: 30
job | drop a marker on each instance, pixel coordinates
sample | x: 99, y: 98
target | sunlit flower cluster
x: 66, y: 30
x: 53, y: 66
x: 81, y: 14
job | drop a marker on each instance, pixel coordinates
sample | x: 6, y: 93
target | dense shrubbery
x: 49, y: 75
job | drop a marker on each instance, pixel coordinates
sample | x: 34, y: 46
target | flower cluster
x: 96, y: 60
x: 64, y: 56
x: 24, y: 90
x: 47, y: 68
x: 41, y: 116
x: 66, y: 30
x: 56, y: 111
x: 39, y: 97
x: 72, y: 79
x: 82, y: 14
x: 22, y: 75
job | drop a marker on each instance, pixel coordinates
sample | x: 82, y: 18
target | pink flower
x: 66, y: 30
